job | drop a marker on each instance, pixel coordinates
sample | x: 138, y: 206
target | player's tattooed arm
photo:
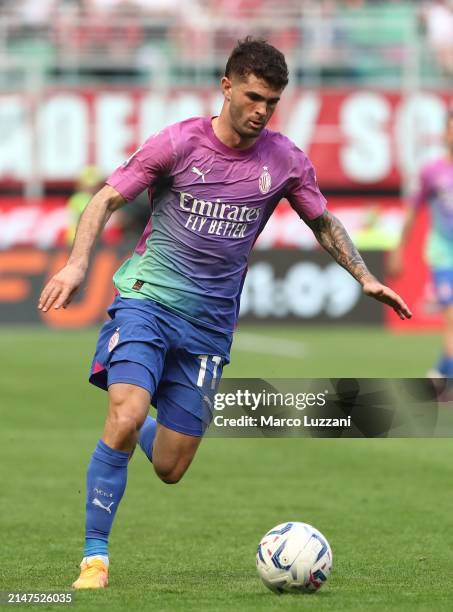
x: 332, y: 235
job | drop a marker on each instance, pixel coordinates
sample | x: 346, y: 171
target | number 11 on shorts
x: 203, y: 365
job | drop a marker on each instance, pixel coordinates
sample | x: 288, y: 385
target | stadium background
x: 82, y: 84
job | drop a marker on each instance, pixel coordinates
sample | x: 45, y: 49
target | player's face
x: 251, y: 103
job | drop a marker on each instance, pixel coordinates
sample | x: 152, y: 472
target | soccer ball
x: 294, y: 557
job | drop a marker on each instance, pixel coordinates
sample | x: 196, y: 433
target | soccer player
x: 436, y: 189
x: 213, y: 184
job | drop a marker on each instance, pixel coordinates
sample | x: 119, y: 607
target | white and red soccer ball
x: 294, y: 557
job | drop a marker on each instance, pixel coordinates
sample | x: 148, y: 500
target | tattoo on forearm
x: 332, y: 235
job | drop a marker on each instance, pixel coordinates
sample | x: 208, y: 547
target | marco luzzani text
x: 255, y: 401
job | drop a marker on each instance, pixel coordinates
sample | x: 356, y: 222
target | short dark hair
x: 258, y: 57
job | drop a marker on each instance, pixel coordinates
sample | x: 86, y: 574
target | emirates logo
x: 265, y: 181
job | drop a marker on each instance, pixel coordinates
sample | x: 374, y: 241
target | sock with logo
x: 445, y: 366
x: 146, y: 436
x: 106, y: 483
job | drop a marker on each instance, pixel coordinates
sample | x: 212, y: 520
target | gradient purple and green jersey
x: 436, y: 189
x: 209, y: 203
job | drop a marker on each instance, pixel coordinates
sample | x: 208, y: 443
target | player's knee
x: 127, y: 424
x: 124, y: 424
x: 168, y: 474
x: 171, y: 478
x: 125, y: 416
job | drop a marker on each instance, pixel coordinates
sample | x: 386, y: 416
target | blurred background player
x: 436, y: 190
x: 90, y: 181
x: 438, y: 20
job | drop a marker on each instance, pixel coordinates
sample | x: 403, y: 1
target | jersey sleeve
x: 153, y: 159
x: 302, y: 190
x: 421, y: 194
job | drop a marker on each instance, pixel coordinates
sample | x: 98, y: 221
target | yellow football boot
x: 94, y: 574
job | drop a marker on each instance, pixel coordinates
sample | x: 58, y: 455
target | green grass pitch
x: 384, y: 505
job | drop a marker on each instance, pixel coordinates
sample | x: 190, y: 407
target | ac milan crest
x: 265, y: 180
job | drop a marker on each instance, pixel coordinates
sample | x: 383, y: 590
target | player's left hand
x: 384, y: 294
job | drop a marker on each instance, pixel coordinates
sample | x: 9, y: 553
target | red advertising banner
x: 41, y: 223
x: 373, y: 223
x: 29, y: 230
x: 355, y: 138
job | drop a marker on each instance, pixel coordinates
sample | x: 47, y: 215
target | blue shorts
x: 177, y: 362
x: 443, y: 285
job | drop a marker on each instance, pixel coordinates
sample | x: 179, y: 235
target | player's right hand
x: 61, y: 288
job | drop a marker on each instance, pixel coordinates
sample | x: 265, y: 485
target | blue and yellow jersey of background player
x: 88, y: 183
x: 436, y: 190
x: 90, y: 180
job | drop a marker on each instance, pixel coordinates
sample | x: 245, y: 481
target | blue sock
x: 96, y: 547
x: 445, y: 366
x: 146, y: 436
x: 106, y: 482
